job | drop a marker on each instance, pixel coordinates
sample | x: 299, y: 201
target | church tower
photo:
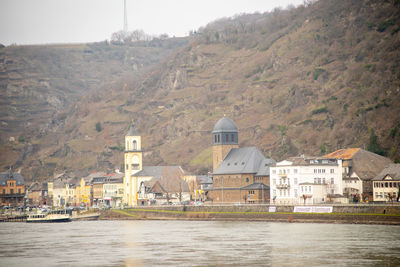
x: 225, y: 137
x: 133, y: 159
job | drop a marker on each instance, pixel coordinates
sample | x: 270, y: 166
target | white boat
x: 51, y: 216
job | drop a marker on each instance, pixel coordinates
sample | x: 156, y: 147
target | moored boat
x: 51, y: 216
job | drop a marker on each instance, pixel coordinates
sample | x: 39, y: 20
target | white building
x: 300, y: 180
x: 386, y: 184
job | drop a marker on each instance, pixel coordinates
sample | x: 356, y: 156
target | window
x: 332, y: 180
x: 135, y: 166
x: 309, y: 188
x: 11, y: 191
x: 232, y: 138
x: 215, y: 138
x: 226, y: 138
x: 295, y: 170
x: 4, y: 191
x: 218, y: 140
x: 274, y: 181
x: 315, y: 180
x: 295, y: 180
x: 323, y: 180
x: 332, y: 170
x: 295, y: 193
x: 319, y: 180
x: 134, y: 145
x: 251, y: 192
x: 19, y: 190
x: 247, y: 180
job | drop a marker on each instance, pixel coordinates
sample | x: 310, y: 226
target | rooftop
x: 225, y: 125
x: 244, y: 160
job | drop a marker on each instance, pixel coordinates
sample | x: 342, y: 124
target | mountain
x: 305, y: 80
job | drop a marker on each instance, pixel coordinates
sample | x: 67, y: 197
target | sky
x: 81, y: 21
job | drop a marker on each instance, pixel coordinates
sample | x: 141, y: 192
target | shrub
x: 98, y: 127
x: 374, y: 145
x: 317, y: 72
x: 323, y: 109
x: 382, y: 26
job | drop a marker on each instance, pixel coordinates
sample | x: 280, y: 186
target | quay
x: 348, y: 214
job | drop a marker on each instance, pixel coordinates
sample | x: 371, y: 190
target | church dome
x: 225, y: 125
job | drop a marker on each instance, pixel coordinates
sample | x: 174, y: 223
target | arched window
x: 134, y: 145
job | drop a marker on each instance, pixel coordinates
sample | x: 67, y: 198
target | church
x: 137, y: 176
x: 240, y: 174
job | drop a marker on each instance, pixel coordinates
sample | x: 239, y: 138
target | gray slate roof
x: 157, y: 171
x: 5, y: 176
x: 244, y: 160
x: 169, y: 177
x: 225, y: 125
x: 132, y: 131
x: 256, y: 186
x: 393, y: 170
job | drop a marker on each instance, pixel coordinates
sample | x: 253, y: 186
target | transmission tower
x: 125, y: 18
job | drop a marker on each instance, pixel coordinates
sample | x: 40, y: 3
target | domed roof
x: 225, y: 125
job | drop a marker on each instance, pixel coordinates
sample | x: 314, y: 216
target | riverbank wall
x: 366, y: 214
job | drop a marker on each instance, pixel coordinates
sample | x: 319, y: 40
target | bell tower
x: 133, y: 160
x: 225, y: 137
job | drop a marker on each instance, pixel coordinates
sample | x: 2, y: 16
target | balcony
x: 283, y: 186
x: 282, y: 175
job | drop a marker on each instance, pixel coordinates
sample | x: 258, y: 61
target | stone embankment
x: 358, y: 214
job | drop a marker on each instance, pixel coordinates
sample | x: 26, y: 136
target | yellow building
x: 133, y: 159
x: 83, y: 195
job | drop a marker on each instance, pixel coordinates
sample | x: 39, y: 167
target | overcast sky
x: 66, y: 21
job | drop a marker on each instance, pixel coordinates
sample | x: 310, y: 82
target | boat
x: 51, y: 216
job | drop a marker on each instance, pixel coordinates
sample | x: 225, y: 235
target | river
x: 198, y: 243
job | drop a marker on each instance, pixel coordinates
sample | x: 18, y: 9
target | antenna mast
x: 125, y: 18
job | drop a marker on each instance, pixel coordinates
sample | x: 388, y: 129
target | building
x: 161, y: 184
x: 240, y: 175
x: 83, y: 191
x: 36, y: 194
x: 12, y: 189
x: 61, y: 190
x: 113, y: 190
x: 136, y: 175
x: 133, y: 158
x: 386, y: 185
x: 306, y: 180
x: 359, y: 167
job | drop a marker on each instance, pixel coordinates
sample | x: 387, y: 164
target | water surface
x: 198, y: 243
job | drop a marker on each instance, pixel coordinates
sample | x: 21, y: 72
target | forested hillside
x: 306, y: 80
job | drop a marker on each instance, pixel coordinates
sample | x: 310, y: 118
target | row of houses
x: 166, y: 184
x: 346, y: 175
x: 239, y: 175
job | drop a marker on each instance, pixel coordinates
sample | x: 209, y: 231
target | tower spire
x: 125, y: 18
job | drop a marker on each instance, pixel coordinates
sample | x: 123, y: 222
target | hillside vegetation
x: 307, y: 80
